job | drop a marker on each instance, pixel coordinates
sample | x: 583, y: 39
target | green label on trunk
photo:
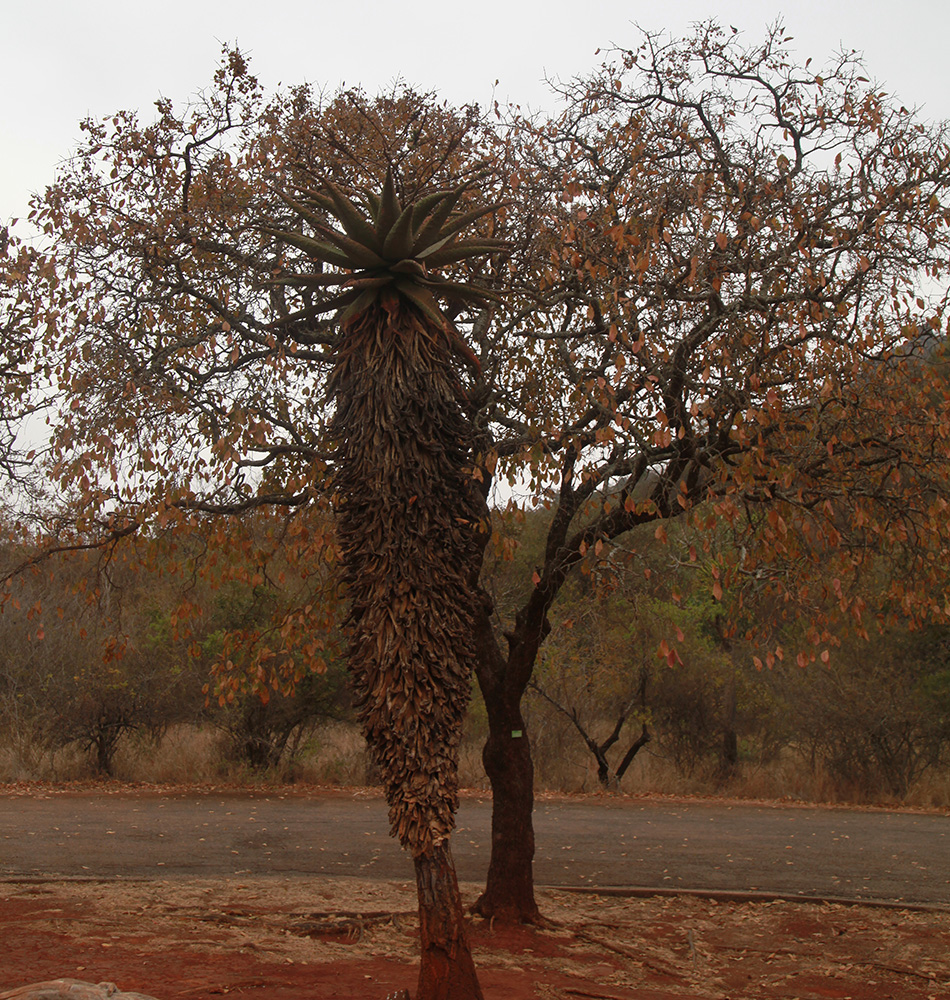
x: 516, y: 733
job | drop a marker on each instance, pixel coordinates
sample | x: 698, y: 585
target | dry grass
x: 185, y: 755
x: 337, y: 755
x: 787, y: 778
x: 27, y: 763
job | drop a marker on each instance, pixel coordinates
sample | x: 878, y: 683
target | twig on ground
x: 636, y: 956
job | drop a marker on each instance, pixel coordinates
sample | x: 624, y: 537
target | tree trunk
x: 635, y: 747
x: 408, y: 518
x: 509, y: 889
x: 447, y: 971
x: 729, y: 757
x: 105, y: 741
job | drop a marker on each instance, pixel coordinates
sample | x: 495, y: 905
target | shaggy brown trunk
x: 408, y: 517
x: 447, y: 971
x: 509, y: 888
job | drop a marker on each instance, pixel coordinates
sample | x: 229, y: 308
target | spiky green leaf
x: 409, y: 267
x: 372, y: 203
x: 464, y: 220
x: 314, y: 200
x: 360, y: 303
x: 314, y: 249
x: 429, y: 230
x: 304, y: 211
x: 467, y: 292
x: 423, y: 299
x: 337, y: 301
x: 358, y: 254
x: 353, y: 221
x: 426, y: 205
x: 363, y: 282
x: 302, y: 315
x: 388, y: 207
x: 463, y: 251
x: 398, y: 241
x: 422, y: 254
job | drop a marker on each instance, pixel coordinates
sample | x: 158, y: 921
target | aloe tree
x: 409, y: 513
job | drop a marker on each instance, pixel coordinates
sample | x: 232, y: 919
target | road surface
x: 612, y: 843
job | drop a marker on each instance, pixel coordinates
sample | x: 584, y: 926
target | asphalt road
x: 601, y: 843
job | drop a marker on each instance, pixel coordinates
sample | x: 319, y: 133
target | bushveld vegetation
x: 105, y: 681
x: 297, y: 351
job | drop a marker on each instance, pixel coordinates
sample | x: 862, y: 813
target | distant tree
x: 877, y: 718
x: 637, y: 658
x: 131, y: 639
x: 83, y: 665
x: 266, y: 732
x: 596, y: 670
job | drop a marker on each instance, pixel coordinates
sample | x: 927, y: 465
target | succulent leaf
x: 359, y: 304
x: 312, y: 248
x: 429, y: 230
x: 311, y: 312
x: 304, y: 211
x: 363, y: 282
x: 388, y: 208
x: 398, y: 241
x: 343, y: 299
x: 359, y: 254
x: 410, y: 267
x: 352, y: 220
x: 392, y: 248
x: 438, y: 245
x: 423, y: 299
x: 372, y: 203
x: 465, y: 293
x: 315, y: 200
x: 427, y: 204
x: 462, y: 251
x: 463, y: 221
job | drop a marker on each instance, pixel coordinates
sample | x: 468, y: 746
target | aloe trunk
x: 408, y: 522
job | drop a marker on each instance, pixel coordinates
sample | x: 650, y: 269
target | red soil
x: 265, y: 939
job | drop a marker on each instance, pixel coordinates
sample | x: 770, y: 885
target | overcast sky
x: 66, y: 59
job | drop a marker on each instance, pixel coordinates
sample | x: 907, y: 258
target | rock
x: 71, y: 989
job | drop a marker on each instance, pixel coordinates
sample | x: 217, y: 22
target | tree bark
x: 509, y: 888
x: 635, y: 747
x: 447, y: 971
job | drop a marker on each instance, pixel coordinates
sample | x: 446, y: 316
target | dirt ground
x: 316, y: 939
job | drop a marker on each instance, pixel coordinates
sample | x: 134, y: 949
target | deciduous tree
x: 741, y: 258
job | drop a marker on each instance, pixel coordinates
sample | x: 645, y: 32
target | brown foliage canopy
x: 745, y: 298
x: 727, y: 272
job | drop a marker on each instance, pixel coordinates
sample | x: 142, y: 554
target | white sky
x: 66, y: 59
